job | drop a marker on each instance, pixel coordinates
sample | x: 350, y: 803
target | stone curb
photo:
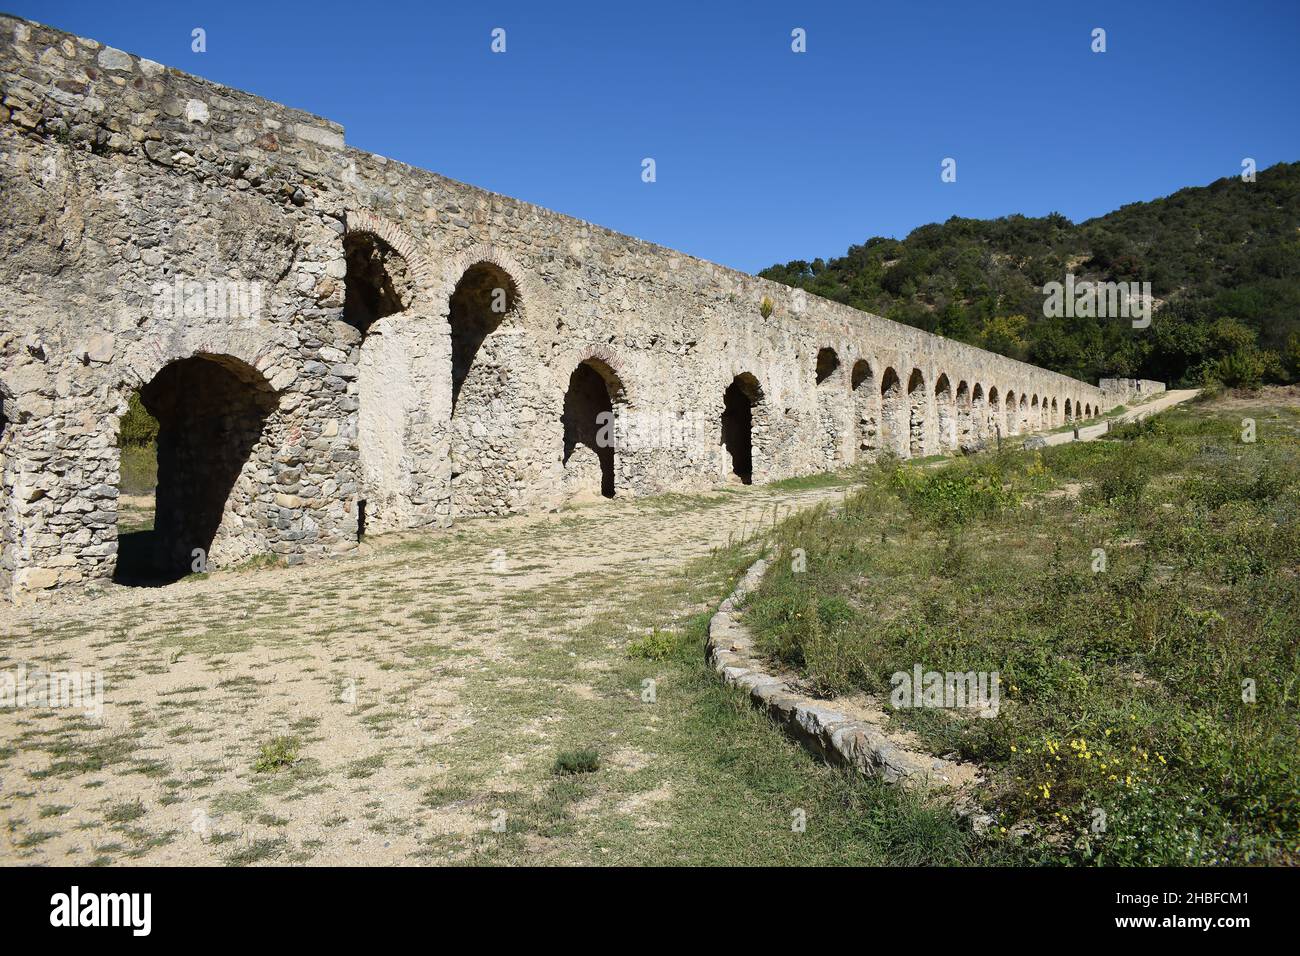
x: 832, y: 735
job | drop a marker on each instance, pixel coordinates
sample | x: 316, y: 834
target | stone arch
x: 486, y: 383
x: 965, y: 415
x: 979, y: 412
x: 483, y: 298
x: 832, y: 410
x: 384, y: 276
x: 1069, y: 411
x: 917, y: 403
x: 996, y: 423
x: 893, y: 414
x: 1022, y: 423
x: 1011, y: 414
x: 594, y: 405
x: 744, y: 426
x: 1055, y: 414
x: 212, y: 409
x: 377, y: 281
x: 945, y: 412
x: 827, y: 364
x: 363, y: 222
x: 526, y: 293
x: 1035, y: 415
x: 866, y: 409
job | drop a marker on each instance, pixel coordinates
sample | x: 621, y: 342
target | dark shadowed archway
x: 979, y: 412
x: 866, y: 409
x: 916, y: 403
x: 739, y: 404
x: 945, y: 412
x: 378, y: 283
x: 211, y: 411
x: 483, y: 297
x: 591, y: 407
x: 893, y: 428
x: 965, y: 418
x: 827, y: 363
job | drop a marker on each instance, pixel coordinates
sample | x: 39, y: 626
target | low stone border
x: 833, y: 735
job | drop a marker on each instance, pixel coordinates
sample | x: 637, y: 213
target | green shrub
x: 1119, y: 483
x: 138, y: 428
x: 277, y: 755
x: 656, y: 646
x: 954, y: 495
x: 583, y: 760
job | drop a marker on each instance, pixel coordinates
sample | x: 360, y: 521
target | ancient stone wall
x: 405, y: 341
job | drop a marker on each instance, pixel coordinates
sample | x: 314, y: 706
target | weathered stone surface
x: 388, y: 348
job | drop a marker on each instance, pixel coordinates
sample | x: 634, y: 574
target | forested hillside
x: 1223, y: 261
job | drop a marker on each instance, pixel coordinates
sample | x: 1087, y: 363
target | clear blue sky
x: 763, y: 155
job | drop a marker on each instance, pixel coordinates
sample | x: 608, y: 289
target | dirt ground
x: 419, y: 692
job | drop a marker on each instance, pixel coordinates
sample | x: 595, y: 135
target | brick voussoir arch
x: 606, y: 356
x: 254, y: 349
x: 365, y: 222
x: 458, y: 265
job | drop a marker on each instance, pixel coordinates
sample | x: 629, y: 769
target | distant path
x: 1159, y: 404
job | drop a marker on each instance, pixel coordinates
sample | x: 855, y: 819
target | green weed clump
x: 276, y: 755
x: 656, y: 646
x: 583, y: 760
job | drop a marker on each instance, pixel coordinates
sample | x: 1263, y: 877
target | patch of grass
x: 278, y: 754
x: 256, y: 851
x: 1124, y: 624
x: 125, y: 812
x: 655, y: 646
x: 582, y: 760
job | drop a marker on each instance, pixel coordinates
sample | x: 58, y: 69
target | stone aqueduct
x: 333, y: 341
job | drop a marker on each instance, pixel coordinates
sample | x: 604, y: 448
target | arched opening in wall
x: 1035, y: 415
x: 1022, y: 422
x: 831, y: 410
x: 1011, y: 415
x: 590, y: 409
x: 893, y: 430
x: 484, y: 296
x: 739, y: 404
x: 916, y: 402
x: 210, y: 411
x: 1044, y: 416
x: 946, y: 412
x: 866, y: 408
x: 1069, y: 411
x: 965, y: 415
x: 827, y: 363
x: 1056, y: 414
x: 377, y: 283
